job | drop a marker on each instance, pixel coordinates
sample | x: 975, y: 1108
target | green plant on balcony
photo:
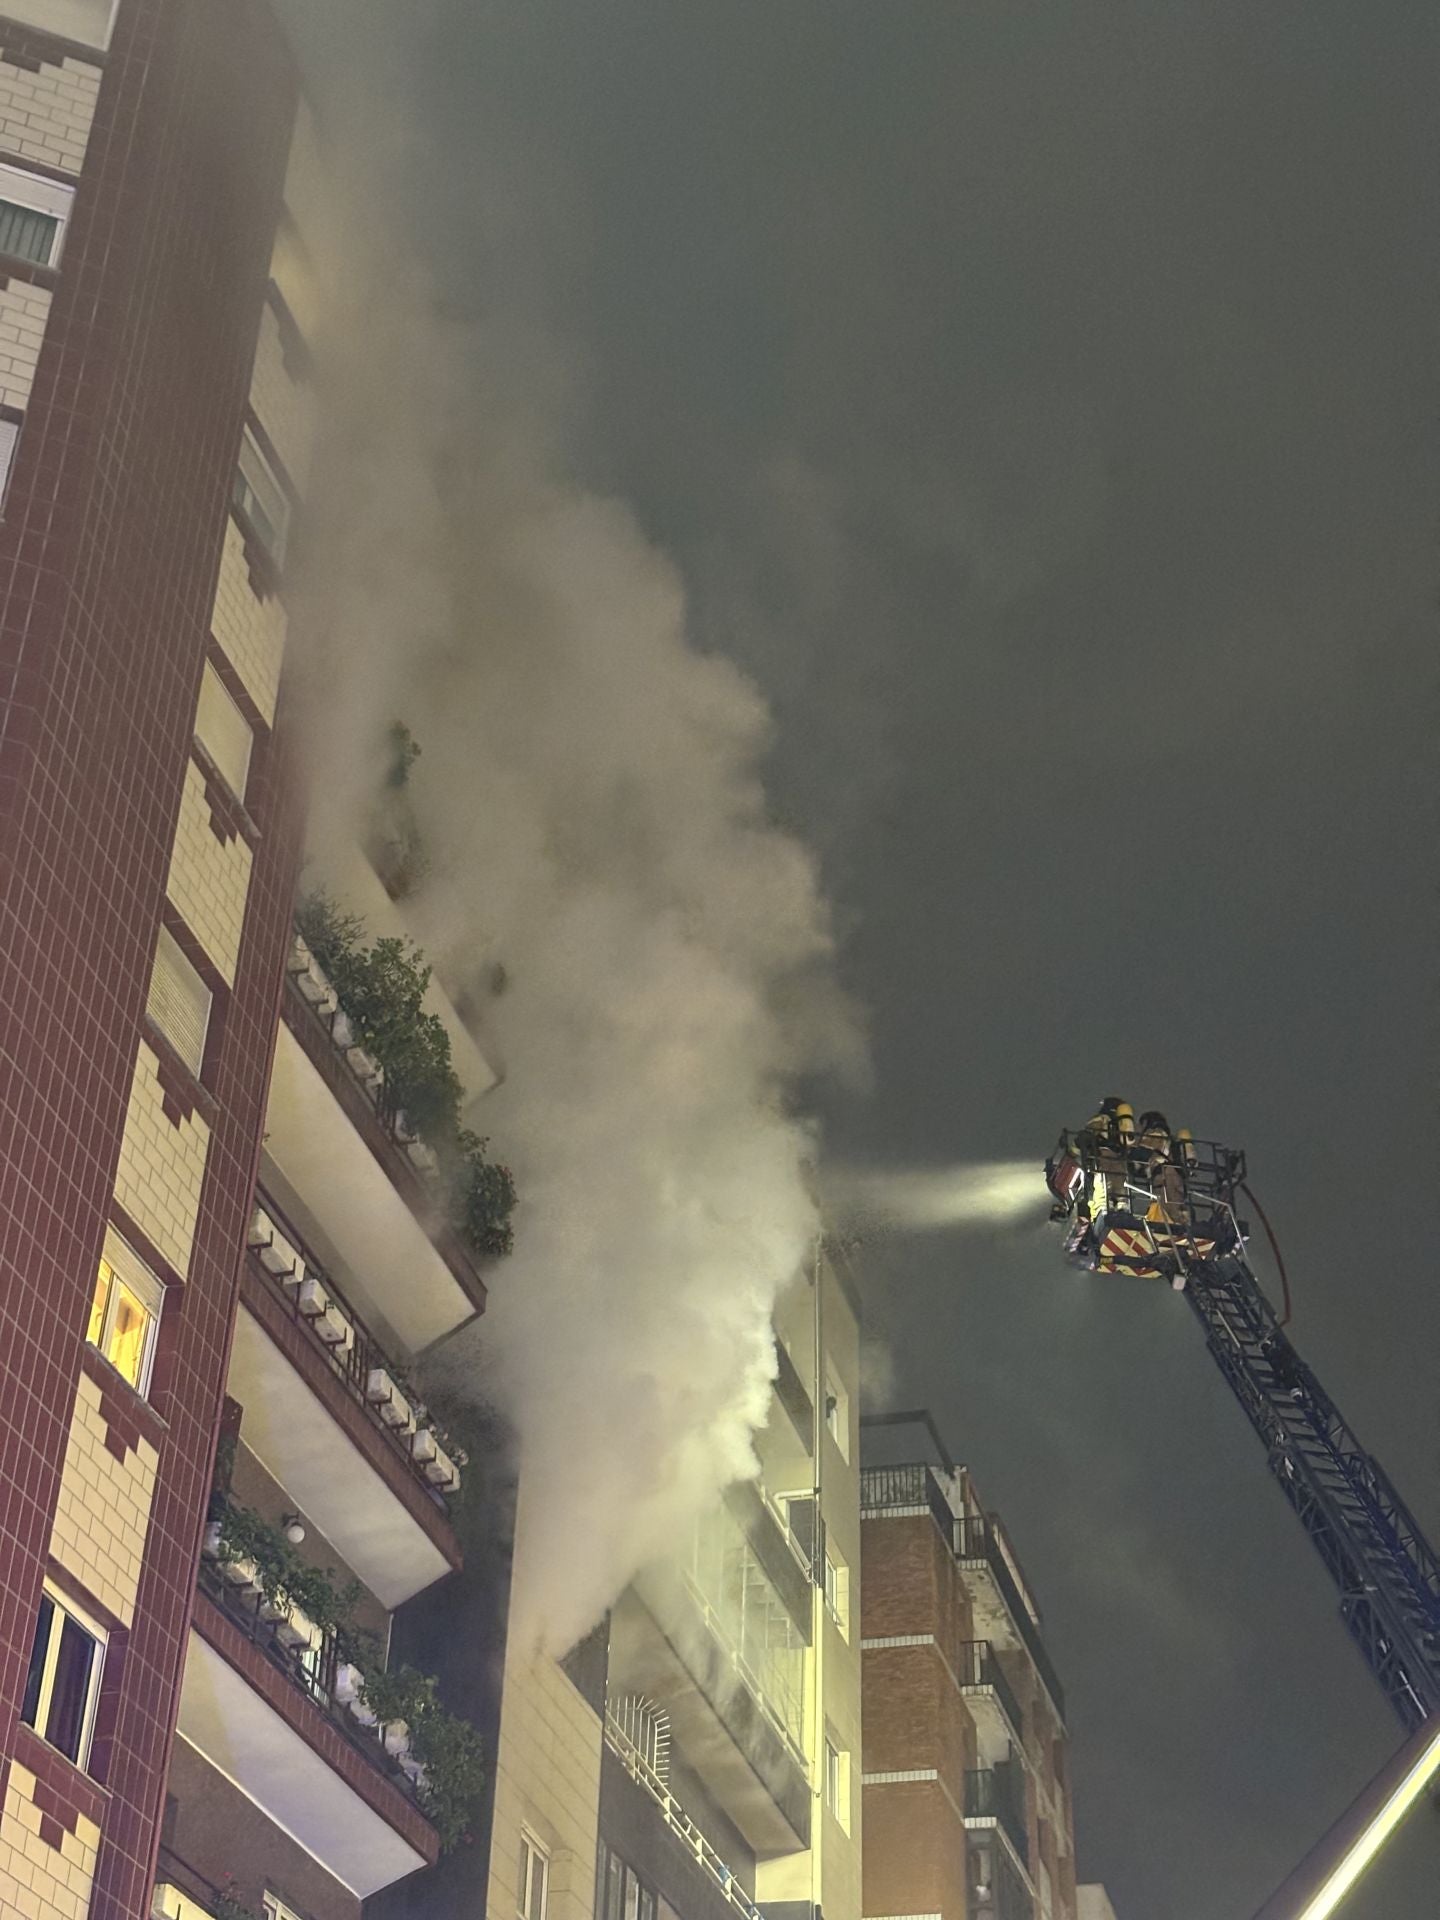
x: 449, y: 1749
x: 381, y: 988
x: 225, y: 1906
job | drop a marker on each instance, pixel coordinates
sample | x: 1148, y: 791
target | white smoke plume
x: 590, y: 799
x: 994, y: 1193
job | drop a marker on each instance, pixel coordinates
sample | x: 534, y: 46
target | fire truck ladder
x: 1387, y: 1572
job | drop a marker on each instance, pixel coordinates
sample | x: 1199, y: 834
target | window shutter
x: 223, y: 731
x: 179, y: 1002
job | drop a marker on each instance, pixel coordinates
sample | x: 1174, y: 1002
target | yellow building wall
x: 547, y: 1780
x: 209, y: 877
x: 162, y: 1163
x: 103, y: 1513
x: 46, y: 116
x: 36, y: 1878
x: 251, y: 630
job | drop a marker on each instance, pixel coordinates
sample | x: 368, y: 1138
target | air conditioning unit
x: 277, y: 1256
x: 442, y: 1473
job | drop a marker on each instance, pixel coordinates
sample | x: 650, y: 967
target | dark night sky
x: 1041, y: 402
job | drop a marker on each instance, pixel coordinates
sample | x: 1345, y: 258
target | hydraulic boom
x: 1137, y: 1201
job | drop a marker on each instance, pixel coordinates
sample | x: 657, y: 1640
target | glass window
x: 837, y: 1590
x: 33, y: 212
x: 223, y: 731
x: 64, y: 1678
x: 179, y: 1002
x: 837, y: 1412
x: 534, y: 1878
x: 276, y: 1909
x: 125, y: 1312
x: 837, y: 1783
x: 261, y: 498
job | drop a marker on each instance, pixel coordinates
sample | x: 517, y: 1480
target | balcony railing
x: 906, y: 1489
x: 312, y: 1665
x: 979, y: 1667
x: 977, y: 1541
x: 676, y: 1818
x: 998, y: 1794
x: 351, y: 1351
x: 999, y: 1892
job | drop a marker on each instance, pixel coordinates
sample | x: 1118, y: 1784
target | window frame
x: 213, y: 686
x: 837, y: 1412
x: 196, y: 1067
x: 63, y: 1608
x: 276, y: 1908
x: 250, y: 451
x: 146, y: 1287
x: 837, y: 1783
x: 531, y: 1853
x: 837, y: 1591
x: 36, y: 193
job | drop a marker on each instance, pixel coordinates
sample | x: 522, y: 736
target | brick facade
x: 109, y: 558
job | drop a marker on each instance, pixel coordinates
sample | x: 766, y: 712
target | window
x: 224, y: 732
x: 125, y: 1312
x: 261, y: 498
x: 9, y: 436
x: 837, y: 1783
x: 837, y: 1412
x: 33, y: 212
x: 534, y: 1880
x: 837, y: 1590
x: 276, y: 1909
x: 179, y: 1002
x: 64, y: 1679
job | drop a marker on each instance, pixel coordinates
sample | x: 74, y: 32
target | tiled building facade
x: 139, y: 963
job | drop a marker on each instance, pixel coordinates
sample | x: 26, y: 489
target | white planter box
x: 279, y: 1257
x: 366, y: 1716
x: 397, y: 1738
x: 301, y: 959
x: 210, y: 1540
x: 387, y: 1399
x: 423, y: 1445
x: 313, y: 984
x: 311, y: 1299
x: 365, y: 1069
x: 404, y: 1132
x: 421, y: 1157
x: 334, y: 1329
x: 262, y: 1229
x: 298, y: 1630
x: 412, y: 1768
x: 348, y: 1682
x: 442, y: 1473
x: 244, y: 1575
x: 341, y: 1031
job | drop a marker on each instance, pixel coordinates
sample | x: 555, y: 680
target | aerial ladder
x: 1137, y: 1201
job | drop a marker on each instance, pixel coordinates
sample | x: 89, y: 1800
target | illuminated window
x: 534, y: 1887
x: 276, y: 1909
x: 125, y: 1312
x: 261, y: 498
x: 64, y: 1678
x: 33, y: 212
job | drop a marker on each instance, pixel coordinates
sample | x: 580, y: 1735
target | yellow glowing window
x: 125, y: 1313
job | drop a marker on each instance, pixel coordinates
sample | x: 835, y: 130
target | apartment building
x: 966, y: 1770
x: 697, y: 1757
x: 209, y: 1351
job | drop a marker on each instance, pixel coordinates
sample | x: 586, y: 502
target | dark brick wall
x: 108, y: 558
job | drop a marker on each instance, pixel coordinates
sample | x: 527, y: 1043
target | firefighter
x: 1107, y: 1136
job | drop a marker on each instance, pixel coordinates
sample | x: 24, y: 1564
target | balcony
x: 361, y: 1192
x: 669, y: 1642
x: 995, y: 1799
x: 326, y: 1416
x: 991, y: 1701
x: 261, y: 1702
x: 999, y: 1608
x: 791, y: 1392
x: 998, y: 1891
x: 697, y: 1848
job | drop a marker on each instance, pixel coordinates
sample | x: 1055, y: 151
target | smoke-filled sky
x: 1039, y: 402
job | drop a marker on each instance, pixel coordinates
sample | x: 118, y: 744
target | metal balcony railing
x: 676, y: 1818
x: 979, y: 1667
x: 888, y: 1489
x: 311, y: 1670
x: 357, y: 1360
x: 977, y: 1542
x: 998, y: 1794
x: 999, y: 1892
